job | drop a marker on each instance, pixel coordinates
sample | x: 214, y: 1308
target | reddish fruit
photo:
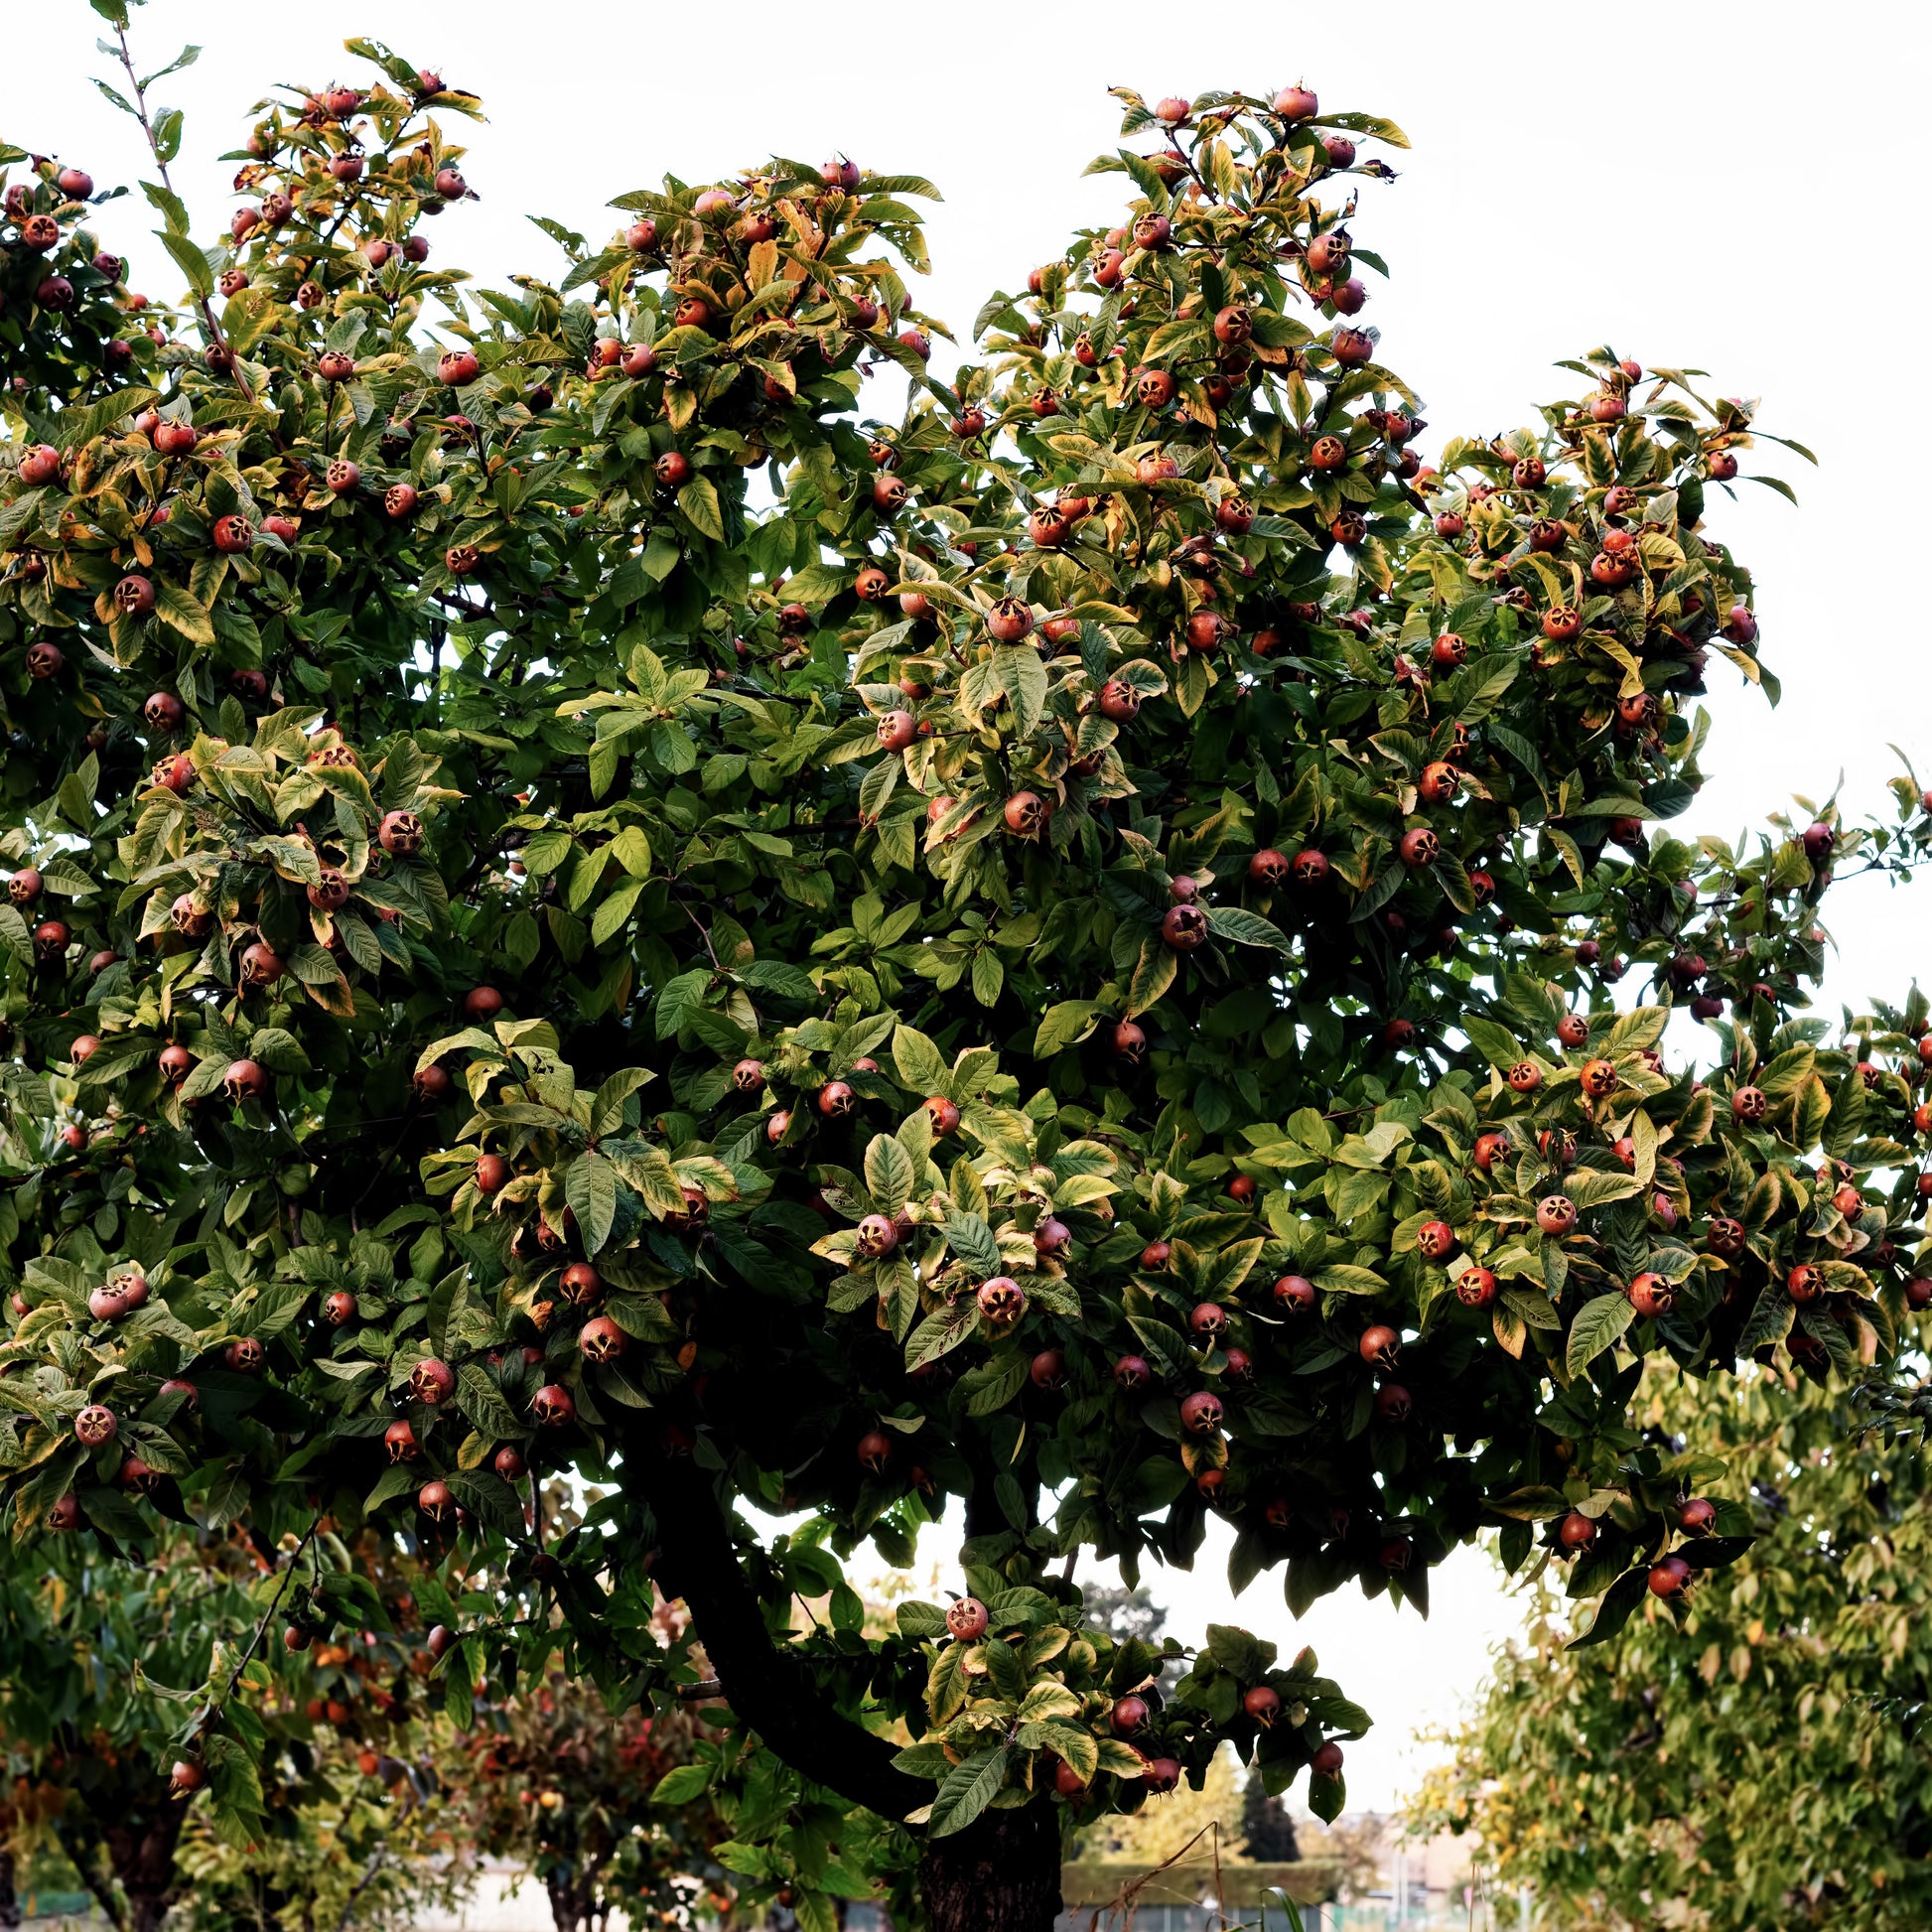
x: 399, y: 1440
x: 836, y: 1099
x: 1597, y: 1079
x: 672, y: 469
x: 232, y: 534
x: 398, y: 501
x: 493, y: 1173
x: 1697, y: 1516
x: 1326, y: 1761
x: 1393, y: 1403
x: 435, y: 1501
x: 329, y: 892
x: 1009, y: 621
x: 896, y: 730
x: 1418, y: 847
x: 1378, y: 1346
x: 245, y: 1080
x: 1475, y: 1288
x: 1750, y: 1104
x: 1671, y: 1578
x: 261, y: 965
x: 1652, y: 1295
x: 1132, y: 1372
x: 966, y: 1619
x: 1556, y: 1214
x: 1026, y: 813
x: 1490, y: 1148
x: 1047, y: 1370
x: 1205, y: 630
x: 1067, y: 1781
x: 1184, y: 927
x: 601, y: 1340
x: 1002, y: 1299
x: 1119, y: 701
x: 482, y: 1004
x: 878, y: 1236
x: 1806, y: 1283
x: 1576, y: 1531
x: 246, y: 1356
x: 1435, y: 1240
x: 1052, y: 1238
x: 1296, y: 1294
x: 1525, y: 1077
x: 339, y: 1309
x: 1200, y: 1413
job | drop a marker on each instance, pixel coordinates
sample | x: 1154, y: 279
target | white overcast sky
x: 1738, y: 187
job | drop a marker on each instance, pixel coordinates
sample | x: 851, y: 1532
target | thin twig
x: 202, y: 302
x: 209, y: 1709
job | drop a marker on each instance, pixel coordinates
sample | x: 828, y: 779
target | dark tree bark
x: 1002, y: 1873
x: 9, y: 1904
x: 127, y: 1841
x: 771, y: 1691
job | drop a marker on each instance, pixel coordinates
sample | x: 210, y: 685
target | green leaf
x: 176, y: 609
x: 1598, y: 1325
x: 1346, y: 1279
x: 680, y: 1786
x: 1614, y: 1610
x: 698, y: 500
x: 1063, y: 1024
x: 966, y: 1791
x: 972, y: 1241
x: 1023, y: 677
x: 606, y: 1109
x: 890, y: 1174
x: 1245, y: 929
x: 920, y: 1065
x: 591, y: 1189
x: 195, y: 265
x: 1154, y: 973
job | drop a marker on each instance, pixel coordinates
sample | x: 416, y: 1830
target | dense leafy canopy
x: 1756, y: 1759
x: 581, y: 906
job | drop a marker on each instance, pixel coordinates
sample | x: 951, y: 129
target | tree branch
x: 771, y: 1691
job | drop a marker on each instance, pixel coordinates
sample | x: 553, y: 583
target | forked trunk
x: 1002, y: 1873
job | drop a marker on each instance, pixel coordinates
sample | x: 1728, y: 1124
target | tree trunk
x: 142, y: 1854
x: 1002, y: 1873
x: 571, y: 1899
x: 9, y: 1904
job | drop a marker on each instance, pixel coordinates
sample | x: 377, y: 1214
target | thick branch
x: 771, y: 1691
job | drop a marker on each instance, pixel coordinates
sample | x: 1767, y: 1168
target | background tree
x: 1267, y: 1830
x: 1745, y: 1763
x: 562, y: 1787
x: 1065, y: 962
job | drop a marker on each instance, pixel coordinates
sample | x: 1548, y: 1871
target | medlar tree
x: 100, y: 1657
x: 1059, y: 958
x: 1737, y: 1761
